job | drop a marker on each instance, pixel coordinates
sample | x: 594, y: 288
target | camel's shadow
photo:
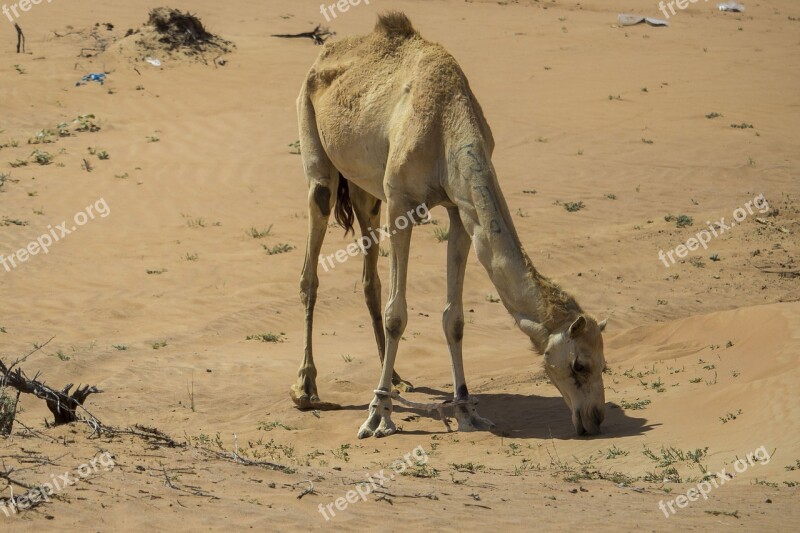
x: 537, y: 417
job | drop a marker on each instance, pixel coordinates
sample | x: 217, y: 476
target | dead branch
x: 194, y: 491
x: 61, y: 403
x: 319, y: 35
x: 20, y: 38
x: 152, y: 435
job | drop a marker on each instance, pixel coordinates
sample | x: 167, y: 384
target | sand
x: 154, y: 302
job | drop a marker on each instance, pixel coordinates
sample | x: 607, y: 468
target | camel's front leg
x: 458, y: 244
x: 379, y: 421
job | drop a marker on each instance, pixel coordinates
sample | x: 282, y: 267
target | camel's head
x: 574, y: 361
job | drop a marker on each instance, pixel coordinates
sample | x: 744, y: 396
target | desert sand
x: 154, y: 302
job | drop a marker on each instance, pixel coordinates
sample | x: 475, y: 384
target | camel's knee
x: 321, y: 197
x: 308, y: 289
x: 453, y: 324
x: 395, y: 320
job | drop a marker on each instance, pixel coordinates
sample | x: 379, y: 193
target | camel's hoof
x: 303, y: 401
x: 379, y: 421
x: 401, y: 385
x: 469, y: 420
x: 475, y: 423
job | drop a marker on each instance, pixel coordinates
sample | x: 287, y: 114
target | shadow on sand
x: 539, y: 417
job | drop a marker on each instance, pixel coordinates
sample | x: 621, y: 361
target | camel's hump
x: 395, y: 24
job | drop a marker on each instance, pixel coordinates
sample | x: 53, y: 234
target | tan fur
x: 395, y: 115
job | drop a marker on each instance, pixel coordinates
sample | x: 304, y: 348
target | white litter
x: 153, y: 61
x: 731, y: 6
x: 632, y: 20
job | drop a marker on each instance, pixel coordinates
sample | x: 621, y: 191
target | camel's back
x: 359, y: 82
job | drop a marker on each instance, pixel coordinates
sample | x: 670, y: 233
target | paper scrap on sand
x: 731, y: 6
x: 632, y: 20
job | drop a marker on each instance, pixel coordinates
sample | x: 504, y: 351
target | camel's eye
x: 577, y: 367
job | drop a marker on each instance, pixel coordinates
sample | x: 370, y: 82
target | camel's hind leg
x: 368, y: 213
x: 322, y: 180
x: 458, y: 244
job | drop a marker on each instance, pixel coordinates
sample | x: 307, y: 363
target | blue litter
x: 92, y: 77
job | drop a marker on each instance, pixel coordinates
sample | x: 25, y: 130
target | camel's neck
x: 538, y: 305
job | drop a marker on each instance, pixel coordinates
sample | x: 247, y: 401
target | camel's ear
x: 603, y: 324
x: 577, y: 327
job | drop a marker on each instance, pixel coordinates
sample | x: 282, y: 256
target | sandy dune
x: 157, y: 298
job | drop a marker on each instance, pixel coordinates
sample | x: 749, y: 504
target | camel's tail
x: 343, y: 212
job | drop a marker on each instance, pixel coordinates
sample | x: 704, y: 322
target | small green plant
x: 191, y: 257
x: 697, y: 262
x: 266, y: 337
x: 733, y: 514
x: 634, y: 406
x: 342, y: 453
x: 120, y: 347
x: 615, y: 452
x: 469, y: 468
x: 156, y: 272
x: 713, y: 115
x: 259, y: 234
x: 420, y: 470
x: 683, y: 221
x: 714, y: 257
x: 347, y: 358
x: 294, y: 148
x: 742, y: 126
x: 62, y: 356
x: 8, y: 411
x: 153, y: 138
x: 19, y: 69
x: 647, y: 141
x: 121, y: 176
x: 611, y: 196
x: 491, y: 298
x: 159, y: 344
x: 278, y: 248
x: 441, y: 234
x: 574, y: 206
x: 730, y: 416
x: 41, y: 157
x: 269, y: 426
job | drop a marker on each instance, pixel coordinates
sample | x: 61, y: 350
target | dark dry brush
x: 173, y: 31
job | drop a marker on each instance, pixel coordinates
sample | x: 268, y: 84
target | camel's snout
x: 587, y: 421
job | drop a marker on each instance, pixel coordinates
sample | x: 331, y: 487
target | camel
x: 390, y: 117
